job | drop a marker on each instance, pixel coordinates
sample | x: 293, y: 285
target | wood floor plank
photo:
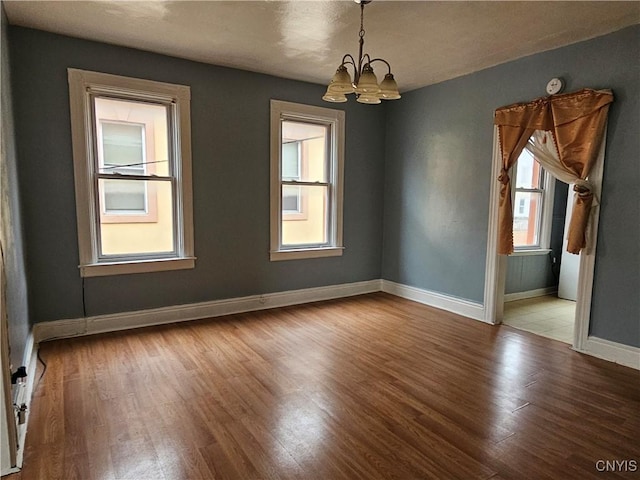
x: 369, y: 387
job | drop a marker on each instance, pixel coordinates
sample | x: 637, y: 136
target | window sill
x: 306, y: 253
x: 144, y: 266
x: 526, y: 253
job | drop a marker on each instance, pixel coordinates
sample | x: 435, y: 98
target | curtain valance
x: 577, y: 122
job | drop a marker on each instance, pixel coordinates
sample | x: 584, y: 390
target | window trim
x: 335, y: 119
x: 83, y: 85
x: 547, y: 194
x: 531, y: 252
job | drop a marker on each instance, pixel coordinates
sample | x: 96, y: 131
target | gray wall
x: 532, y: 272
x: 230, y: 145
x: 438, y: 168
x: 11, y: 235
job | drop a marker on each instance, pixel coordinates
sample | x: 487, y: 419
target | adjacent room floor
x: 548, y: 316
x: 368, y: 387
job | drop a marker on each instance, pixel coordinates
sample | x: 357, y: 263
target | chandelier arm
x: 381, y: 60
x: 348, y: 59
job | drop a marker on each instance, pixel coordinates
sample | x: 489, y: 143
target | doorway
x: 541, y: 286
x: 496, y: 265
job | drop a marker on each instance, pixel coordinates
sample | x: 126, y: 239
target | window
x: 132, y: 168
x: 533, y: 205
x: 307, y: 151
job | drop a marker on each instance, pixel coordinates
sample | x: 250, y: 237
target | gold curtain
x: 577, y: 121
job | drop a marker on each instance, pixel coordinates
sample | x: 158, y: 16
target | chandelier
x: 364, y: 83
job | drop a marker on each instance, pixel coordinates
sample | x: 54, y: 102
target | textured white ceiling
x: 426, y: 42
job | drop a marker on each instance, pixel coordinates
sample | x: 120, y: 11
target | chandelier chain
x: 361, y: 33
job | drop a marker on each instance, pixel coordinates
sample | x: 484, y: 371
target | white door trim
x: 588, y: 257
x: 495, y: 266
x: 494, y: 280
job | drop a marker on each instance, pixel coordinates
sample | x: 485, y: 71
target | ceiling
x: 425, y: 42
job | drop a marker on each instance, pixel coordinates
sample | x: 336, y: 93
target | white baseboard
x: 538, y: 292
x: 613, y: 352
x: 9, y: 471
x: 180, y: 313
x: 466, y: 308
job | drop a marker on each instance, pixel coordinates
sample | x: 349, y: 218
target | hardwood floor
x: 370, y: 387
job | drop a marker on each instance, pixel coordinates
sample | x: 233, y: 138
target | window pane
x: 526, y: 218
x: 133, y: 137
x: 152, y: 230
x: 529, y: 172
x: 291, y: 199
x: 311, y: 140
x: 310, y: 226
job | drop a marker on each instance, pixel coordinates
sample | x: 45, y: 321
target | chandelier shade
x: 368, y: 98
x: 334, y: 97
x: 364, y: 83
x: 341, y: 81
x: 368, y: 82
x: 389, y: 88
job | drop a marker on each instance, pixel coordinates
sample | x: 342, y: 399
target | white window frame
x: 547, y: 190
x: 83, y: 86
x: 335, y: 120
